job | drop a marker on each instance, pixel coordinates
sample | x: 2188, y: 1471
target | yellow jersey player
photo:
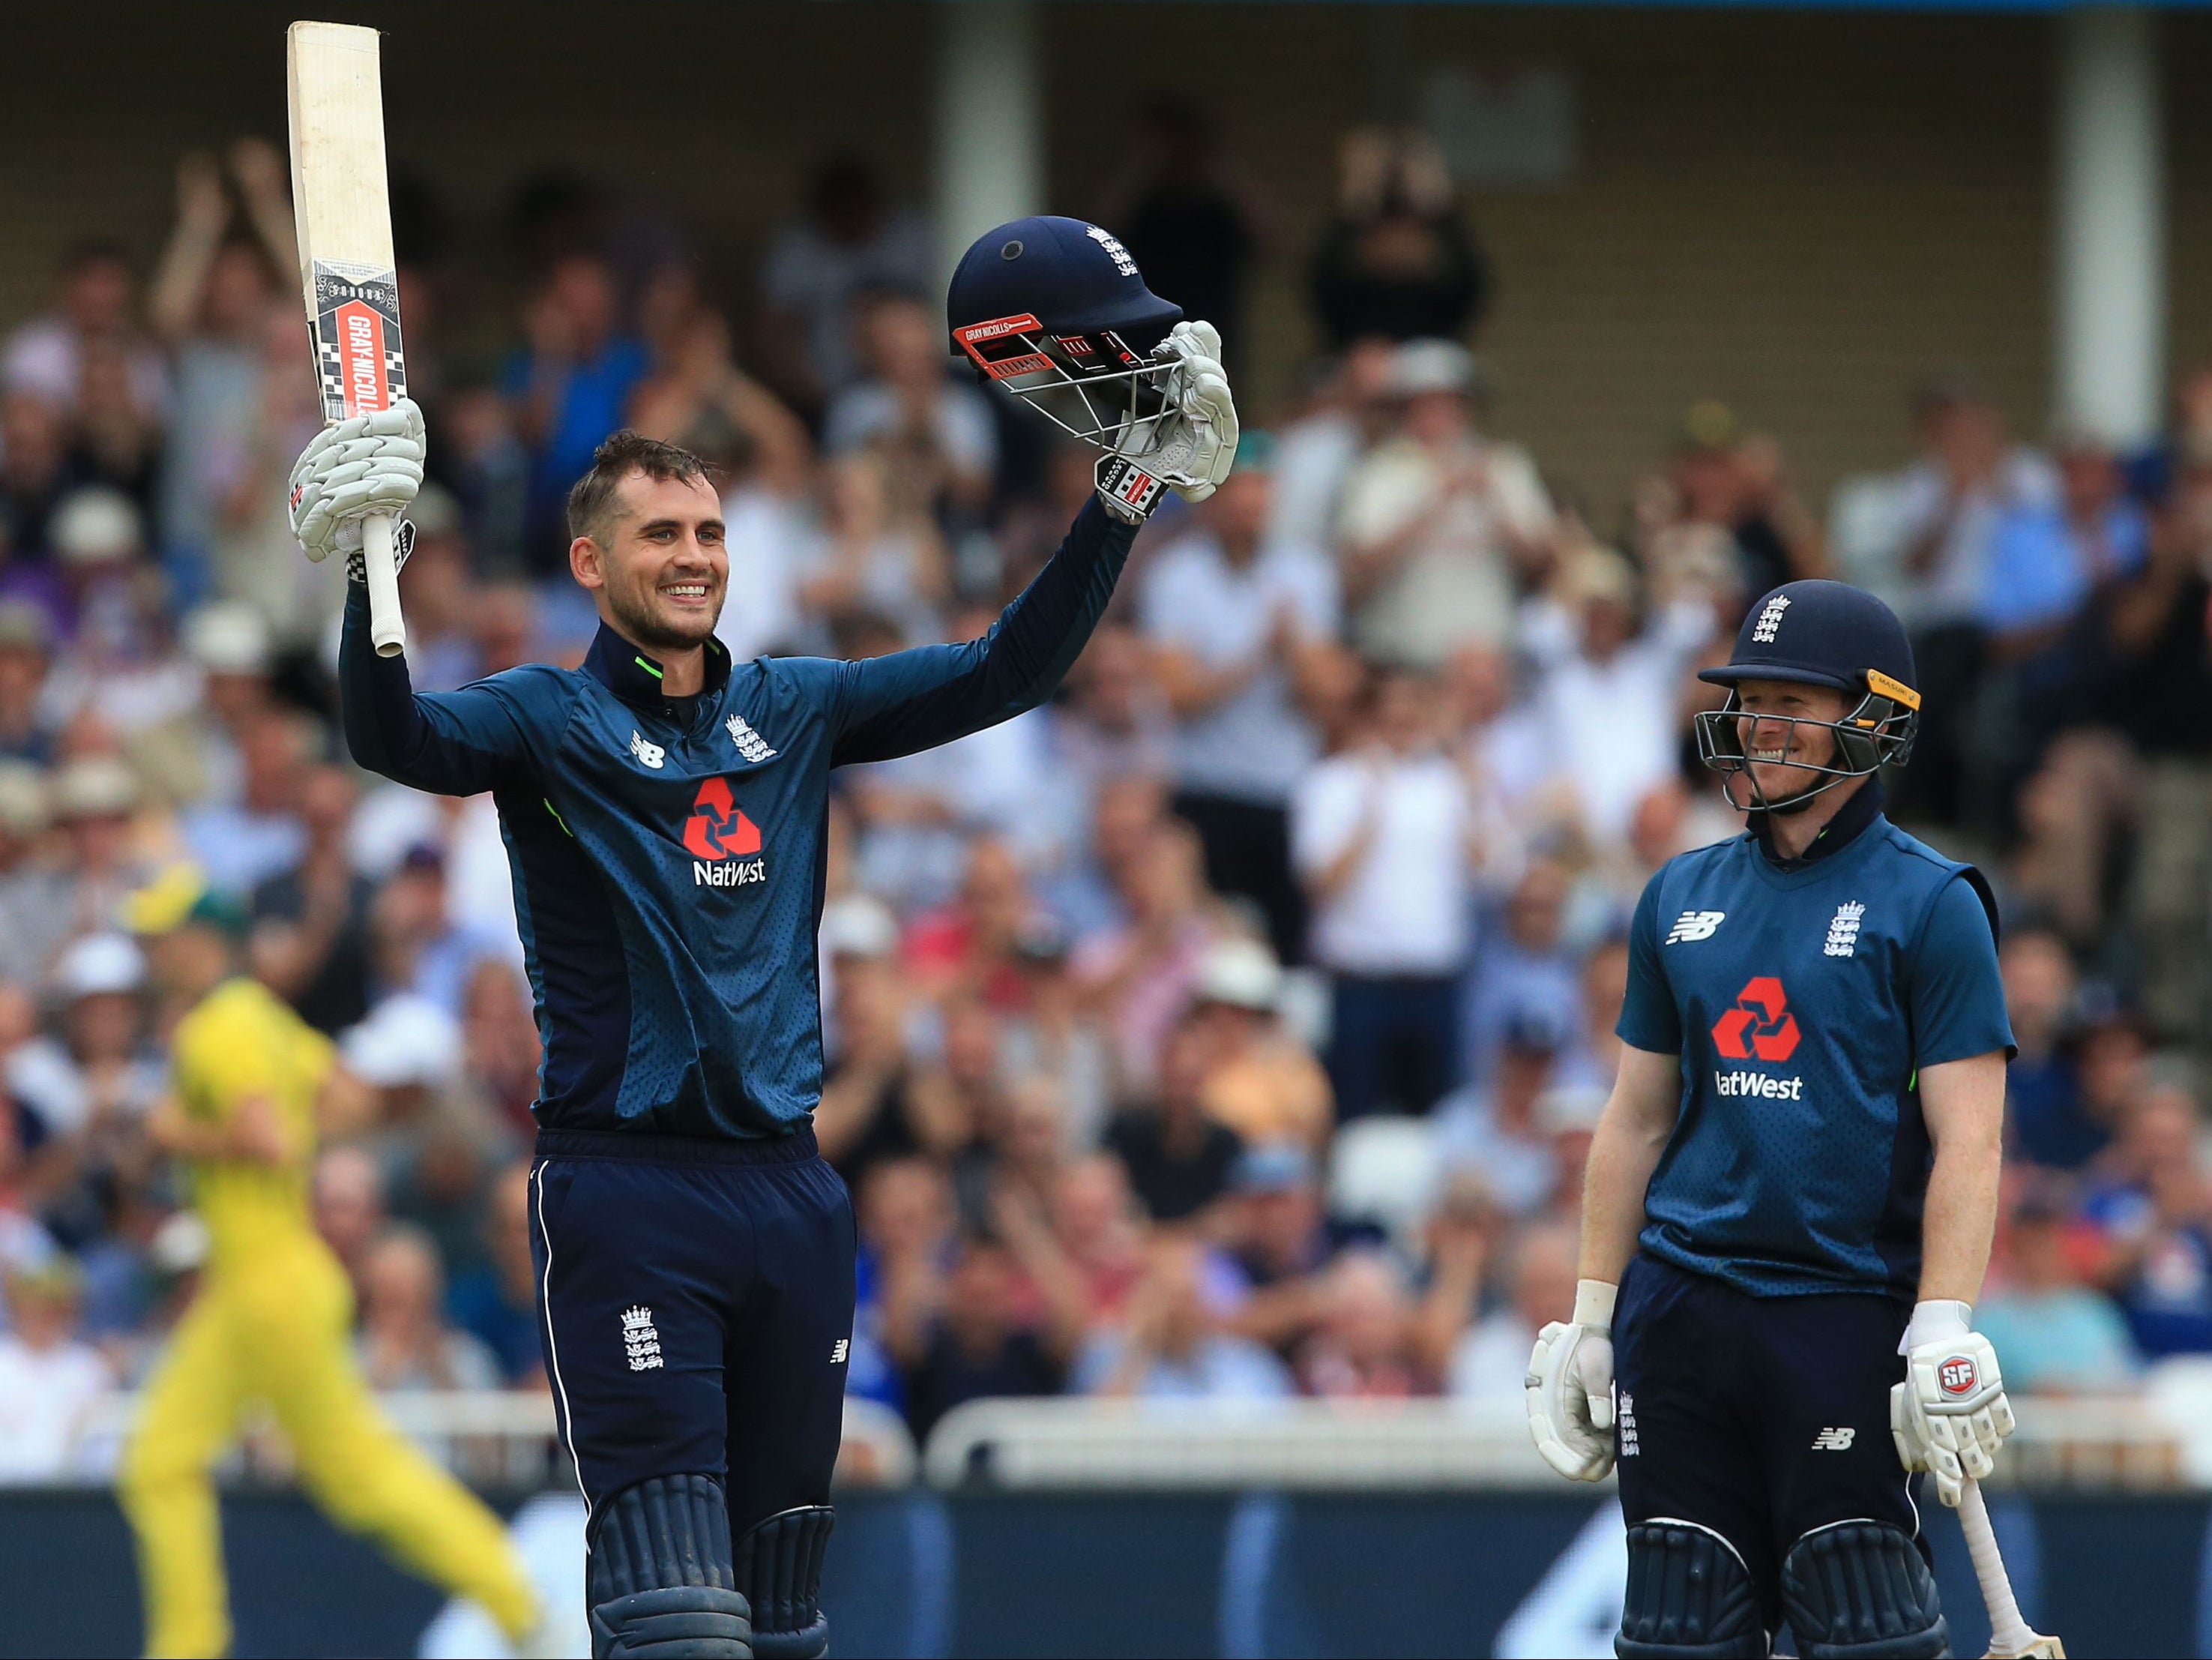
x: 252, y: 1085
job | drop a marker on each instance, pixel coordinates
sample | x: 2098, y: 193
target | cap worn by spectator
x: 26, y: 809
x: 95, y: 524
x: 1272, y: 1167
x: 180, y: 898
x: 858, y: 925
x: 228, y: 636
x: 100, y: 965
x: 95, y: 786
x: 1421, y: 367
x: 406, y: 1041
x: 1241, y: 973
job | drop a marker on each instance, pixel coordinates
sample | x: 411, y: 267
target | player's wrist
x: 1594, y: 1303
x: 1938, y: 1319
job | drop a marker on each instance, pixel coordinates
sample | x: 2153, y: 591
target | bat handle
x: 386, y: 627
x: 2008, y: 1633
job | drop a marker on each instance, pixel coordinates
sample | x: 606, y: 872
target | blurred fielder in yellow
x: 252, y: 1086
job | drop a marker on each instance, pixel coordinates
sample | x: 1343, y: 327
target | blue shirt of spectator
x: 2040, y: 574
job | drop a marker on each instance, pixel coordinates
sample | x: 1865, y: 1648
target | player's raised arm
x: 1054, y: 310
x: 453, y: 743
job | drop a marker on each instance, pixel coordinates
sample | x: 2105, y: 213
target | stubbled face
x: 1783, y: 755
x: 661, y: 576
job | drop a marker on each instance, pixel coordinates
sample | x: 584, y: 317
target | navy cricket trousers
x: 696, y: 1303
x: 1761, y: 1418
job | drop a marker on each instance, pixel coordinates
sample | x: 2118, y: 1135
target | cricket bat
x: 347, y: 272
x: 2010, y: 1636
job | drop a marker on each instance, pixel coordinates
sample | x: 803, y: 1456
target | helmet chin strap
x: 1784, y: 807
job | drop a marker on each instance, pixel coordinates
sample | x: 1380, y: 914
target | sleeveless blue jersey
x: 1803, y: 1001
x: 667, y: 854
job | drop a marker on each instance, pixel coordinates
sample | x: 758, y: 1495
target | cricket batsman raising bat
x: 663, y: 808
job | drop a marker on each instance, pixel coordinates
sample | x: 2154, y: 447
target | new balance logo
x: 650, y: 755
x: 1695, y: 925
x: 639, y: 1340
x: 1770, y: 620
x: 1844, y: 930
x: 842, y: 1351
x: 750, y: 745
x: 1835, y: 1441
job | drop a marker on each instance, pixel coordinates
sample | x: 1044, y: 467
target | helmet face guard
x: 1879, y: 731
x: 1093, y: 387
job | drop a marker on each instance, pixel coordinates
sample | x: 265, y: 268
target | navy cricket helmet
x: 1054, y: 310
x: 1820, y: 634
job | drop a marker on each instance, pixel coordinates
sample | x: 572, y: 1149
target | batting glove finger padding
x: 354, y: 469
x: 1192, y: 448
x: 1959, y: 1409
x: 1569, y: 1388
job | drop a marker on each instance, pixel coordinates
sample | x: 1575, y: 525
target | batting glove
x: 1569, y: 1385
x: 1192, y: 448
x: 1950, y: 1414
x: 355, y: 469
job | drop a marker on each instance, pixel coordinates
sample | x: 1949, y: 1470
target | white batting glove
x: 369, y: 464
x: 1570, y: 1386
x: 1950, y: 1414
x: 1190, y: 449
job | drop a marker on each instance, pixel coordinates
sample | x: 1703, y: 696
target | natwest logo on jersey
x: 719, y: 837
x: 1760, y: 1024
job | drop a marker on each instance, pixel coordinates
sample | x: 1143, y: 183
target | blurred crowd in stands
x: 1233, y: 1027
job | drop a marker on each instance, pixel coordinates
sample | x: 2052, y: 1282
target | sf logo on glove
x: 1958, y: 1376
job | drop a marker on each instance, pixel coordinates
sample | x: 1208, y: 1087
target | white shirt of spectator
x: 1873, y: 522
x: 1455, y: 585
x: 1615, y: 727
x: 45, y: 1399
x: 1311, y: 462
x: 766, y: 535
x: 1404, y: 908
x: 1254, y: 744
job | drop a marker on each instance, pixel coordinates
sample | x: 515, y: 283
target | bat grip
x: 2008, y: 1633
x: 386, y: 627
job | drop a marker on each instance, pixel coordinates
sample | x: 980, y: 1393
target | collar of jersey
x: 1845, y: 830
x: 636, y: 676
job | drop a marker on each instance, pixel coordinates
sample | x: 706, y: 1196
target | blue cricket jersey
x: 1803, y: 999
x: 667, y: 852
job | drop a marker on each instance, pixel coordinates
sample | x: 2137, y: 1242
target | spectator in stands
x: 1100, y: 1229
x: 1398, y: 260
x: 1606, y: 668
x: 95, y: 1068
x: 1190, y: 222
x: 1277, y: 1236
x: 347, y: 1192
x: 850, y: 241
x: 1177, y: 1155
x: 1438, y: 523
x: 1723, y: 526
x: 26, y: 724
x: 209, y: 301
x: 1262, y: 1080
x: 37, y: 472
x: 95, y: 801
x: 1491, y: 1363
x: 2156, y: 631
x: 1139, y: 975
x: 2060, y: 1337
x: 264, y: 834
x: 1387, y: 839
x: 1363, y: 1348
x: 1348, y: 412
x: 310, y: 939
x: 495, y: 1301
x: 45, y: 356
x: 1236, y: 622
x: 50, y: 1380
x: 934, y: 434
x: 2043, y: 1097
x: 35, y: 914
x: 1496, y: 1129
x: 2153, y: 1207
x: 1524, y: 972
x: 405, y: 1343
x: 1172, y: 1344
x: 1924, y: 540
x: 569, y: 388
x: 961, y: 1333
